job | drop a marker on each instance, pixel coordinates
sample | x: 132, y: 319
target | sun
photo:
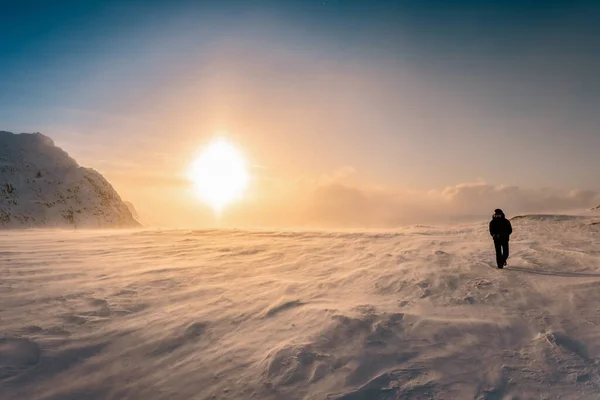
x: 219, y: 174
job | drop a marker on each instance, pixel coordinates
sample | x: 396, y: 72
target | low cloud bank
x: 338, y: 200
x: 330, y: 203
x: 337, y: 203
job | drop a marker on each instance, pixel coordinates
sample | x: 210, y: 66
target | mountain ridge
x: 41, y: 185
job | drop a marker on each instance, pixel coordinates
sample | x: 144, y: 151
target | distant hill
x: 42, y: 186
x: 548, y: 217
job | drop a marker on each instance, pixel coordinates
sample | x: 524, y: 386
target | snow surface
x: 414, y: 313
x: 40, y: 185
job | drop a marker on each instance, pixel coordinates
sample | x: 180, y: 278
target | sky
x: 358, y: 113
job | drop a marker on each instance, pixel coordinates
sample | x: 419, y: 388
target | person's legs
x: 499, y: 257
x: 505, y: 252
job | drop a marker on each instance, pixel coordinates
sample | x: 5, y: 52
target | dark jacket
x: 500, y: 228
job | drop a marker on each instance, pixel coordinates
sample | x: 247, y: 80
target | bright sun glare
x: 219, y: 174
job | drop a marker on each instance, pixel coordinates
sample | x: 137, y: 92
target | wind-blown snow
x: 41, y: 185
x: 417, y: 313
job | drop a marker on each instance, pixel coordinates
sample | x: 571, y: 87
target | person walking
x: 500, y: 230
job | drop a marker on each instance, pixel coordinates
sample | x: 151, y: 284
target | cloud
x: 339, y: 175
x: 339, y: 204
x: 483, y: 196
x: 339, y: 200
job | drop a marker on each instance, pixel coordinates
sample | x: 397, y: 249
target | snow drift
x: 40, y: 185
x: 414, y: 313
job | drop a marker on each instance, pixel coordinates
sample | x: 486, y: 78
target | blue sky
x: 411, y: 94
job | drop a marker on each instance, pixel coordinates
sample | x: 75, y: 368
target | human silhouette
x: 500, y: 230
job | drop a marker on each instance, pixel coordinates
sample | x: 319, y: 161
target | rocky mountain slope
x: 42, y: 186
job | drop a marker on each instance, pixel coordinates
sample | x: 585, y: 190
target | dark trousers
x: 501, y: 246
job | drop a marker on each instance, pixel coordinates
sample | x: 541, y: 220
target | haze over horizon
x: 348, y: 113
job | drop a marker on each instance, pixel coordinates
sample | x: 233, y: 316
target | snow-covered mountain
x: 42, y: 186
x: 132, y: 210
